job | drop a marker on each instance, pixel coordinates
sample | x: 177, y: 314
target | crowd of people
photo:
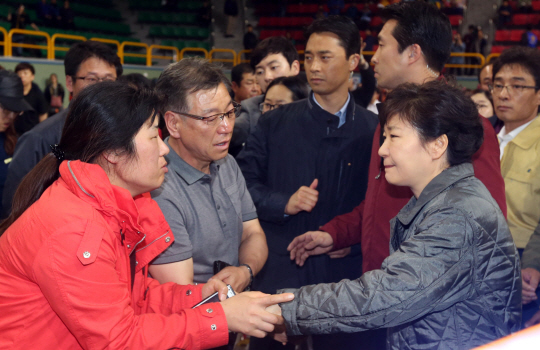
x: 413, y: 227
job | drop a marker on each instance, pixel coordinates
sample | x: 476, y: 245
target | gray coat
x: 452, y: 280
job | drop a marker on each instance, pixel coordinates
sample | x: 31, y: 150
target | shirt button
x: 86, y: 255
x: 188, y: 292
x: 218, y: 207
x: 167, y: 239
x: 213, y: 327
x: 209, y: 311
x: 225, y: 224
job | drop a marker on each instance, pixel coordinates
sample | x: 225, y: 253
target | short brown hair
x: 185, y: 77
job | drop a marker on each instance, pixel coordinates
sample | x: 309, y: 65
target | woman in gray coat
x: 452, y: 280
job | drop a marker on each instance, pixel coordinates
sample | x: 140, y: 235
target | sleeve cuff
x: 212, y: 325
x: 288, y: 312
x: 172, y: 258
x: 249, y: 216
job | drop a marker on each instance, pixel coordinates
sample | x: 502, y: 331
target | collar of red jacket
x: 139, y: 218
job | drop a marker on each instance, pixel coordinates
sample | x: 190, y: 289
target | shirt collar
x: 186, y: 171
x: 440, y: 183
x: 342, y: 113
x: 509, y: 136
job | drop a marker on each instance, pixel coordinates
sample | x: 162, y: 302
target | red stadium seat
x: 520, y: 20
x: 515, y: 35
x: 376, y: 22
x: 294, y: 8
x: 264, y: 21
x: 297, y: 35
x: 498, y: 48
x: 536, y: 5
x: 455, y: 20
x: 535, y: 18
x: 265, y: 34
x: 502, y: 35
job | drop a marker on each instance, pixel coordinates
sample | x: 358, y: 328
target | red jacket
x: 65, y: 279
x: 369, y: 223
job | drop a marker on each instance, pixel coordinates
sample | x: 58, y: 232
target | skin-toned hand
x: 246, y: 312
x: 310, y: 243
x: 336, y: 254
x: 214, y: 285
x: 534, y: 320
x: 530, y: 278
x: 237, y: 276
x: 362, y: 59
x: 304, y: 199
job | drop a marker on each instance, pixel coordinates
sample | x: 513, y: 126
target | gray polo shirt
x: 205, y: 212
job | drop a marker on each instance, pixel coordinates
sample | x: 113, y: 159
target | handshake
x: 252, y: 313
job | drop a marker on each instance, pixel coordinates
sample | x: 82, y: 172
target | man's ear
x: 538, y: 98
x: 353, y: 61
x: 438, y: 147
x: 414, y: 52
x: 234, y: 87
x: 69, y: 83
x: 295, y: 68
x: 173, y: 123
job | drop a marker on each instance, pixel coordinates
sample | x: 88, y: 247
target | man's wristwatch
x: 250, y: 275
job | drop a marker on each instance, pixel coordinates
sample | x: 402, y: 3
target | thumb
x: 276, y: 299
x: 314, y: 184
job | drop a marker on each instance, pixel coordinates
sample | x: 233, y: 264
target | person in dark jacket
x: 307, y: 161
x: 452, y: 280
x: 250, y: 39
x: 86, y: 63
x: 273, y: 57
x: 34, y: 96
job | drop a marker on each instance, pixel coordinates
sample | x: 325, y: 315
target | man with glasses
x: 204, y: 196
x: 516, y: 97
x: 86, y: 63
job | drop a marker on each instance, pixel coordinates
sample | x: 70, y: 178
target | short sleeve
x: 181, y: 249
x: 249, y: 212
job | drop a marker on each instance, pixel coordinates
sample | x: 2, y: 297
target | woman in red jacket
x: 75, y: 250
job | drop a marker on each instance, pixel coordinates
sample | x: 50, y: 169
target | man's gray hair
x: 185, y: 77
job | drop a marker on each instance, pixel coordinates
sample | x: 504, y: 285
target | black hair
x: 80, y: 52
x: 438, y: 108
x: 423, y: 24
x: 525, y: 57
x: 490, y: 63
x: 137, y: 80
x: 103, y: 117
x: 25, y: 65
x: 185, y: 77
x: 343, y: 27
x: 274, y: 45
x: 296, y: 84
x: 486, y: 93
x: 237, y: 73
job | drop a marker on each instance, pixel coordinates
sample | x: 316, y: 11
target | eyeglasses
x: 213, y: 119
x: 265, y: 107
x: 510, y: 89
x: 92, y: 79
